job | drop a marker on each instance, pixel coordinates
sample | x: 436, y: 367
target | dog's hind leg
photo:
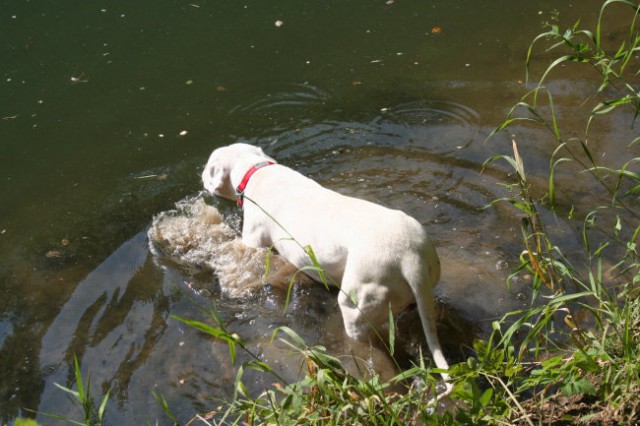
x: 422, y: 277
x: 360, y: 317
x: 367, y: 292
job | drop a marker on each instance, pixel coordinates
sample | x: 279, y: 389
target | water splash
x: 196, y: 236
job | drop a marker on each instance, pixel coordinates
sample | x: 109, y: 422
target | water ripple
x: 289, y: 96
x: 440, y: 126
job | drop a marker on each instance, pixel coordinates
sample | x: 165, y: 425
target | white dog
x: 381, y: 258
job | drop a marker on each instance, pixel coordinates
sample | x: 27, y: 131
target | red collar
x: 245, y: 180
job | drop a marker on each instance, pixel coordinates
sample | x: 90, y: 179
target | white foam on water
x: 195, y: 235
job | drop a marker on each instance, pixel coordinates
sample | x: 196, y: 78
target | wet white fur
x: 380, y: 257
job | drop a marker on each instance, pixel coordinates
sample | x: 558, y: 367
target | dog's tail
x: 422, y: 275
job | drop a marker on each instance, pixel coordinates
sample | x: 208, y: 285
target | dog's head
x: 216, y: 176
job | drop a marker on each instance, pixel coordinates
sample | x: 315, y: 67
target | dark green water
x: 109, y: 110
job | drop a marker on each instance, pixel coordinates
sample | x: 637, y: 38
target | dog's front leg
x: 255, y: 232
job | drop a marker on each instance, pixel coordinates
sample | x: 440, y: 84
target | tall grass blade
x: 392, y: 333
x: 165, y: 406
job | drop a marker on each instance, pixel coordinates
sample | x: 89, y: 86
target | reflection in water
x: 104, y: 286
x: 85, y: 325
x: 116, y: 323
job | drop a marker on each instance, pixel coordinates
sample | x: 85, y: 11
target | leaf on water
x: 156, y: 177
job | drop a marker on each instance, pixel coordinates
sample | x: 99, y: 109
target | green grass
x: 92, y: 414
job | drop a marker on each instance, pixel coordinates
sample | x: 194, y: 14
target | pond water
x: 110, y: 110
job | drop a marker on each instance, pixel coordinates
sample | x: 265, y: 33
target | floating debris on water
x: 156, y: 177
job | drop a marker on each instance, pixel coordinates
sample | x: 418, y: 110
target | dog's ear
x: 216, y: 180
x: 258, y: 151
